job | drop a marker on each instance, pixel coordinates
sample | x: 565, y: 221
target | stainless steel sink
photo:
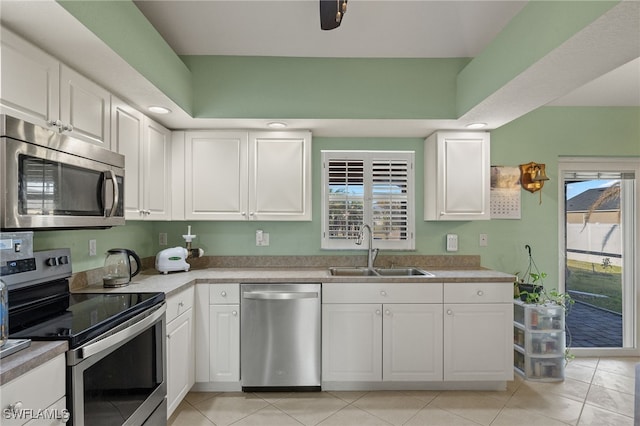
x: 352, y: 272
x: 355, y: 271
x: 403, y: 272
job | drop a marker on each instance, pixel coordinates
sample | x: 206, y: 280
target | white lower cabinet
x: 180, y: 347
x: 372, y: 342
x: 477, y: 344
x: 351, y: 342
x: 217, y: 337
x: 411, y: 349
x: 422, y: 332
x: 39, y: 389
x: 224, y: 343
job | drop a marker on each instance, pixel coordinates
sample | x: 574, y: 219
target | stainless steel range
x: 116, y: 358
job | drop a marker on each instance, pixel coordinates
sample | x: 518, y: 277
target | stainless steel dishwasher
x: 280, y: 337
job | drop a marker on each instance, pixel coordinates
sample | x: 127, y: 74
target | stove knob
x: 63, y: 260
x: 52, y: 261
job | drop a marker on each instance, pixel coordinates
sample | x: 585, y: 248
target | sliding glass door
x: 600, y: 259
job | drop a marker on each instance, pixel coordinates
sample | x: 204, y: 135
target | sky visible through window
x: 576, y: 188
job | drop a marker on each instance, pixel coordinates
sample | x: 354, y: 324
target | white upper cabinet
x: 127, y: 125
x: 280, y: 175
x: 235, y: 175
x: 146, y: 146
x: 30, y: 81
x: 85, y: 107
x: 457, y: 174
x: 37, y: 88
x: 157, y: 170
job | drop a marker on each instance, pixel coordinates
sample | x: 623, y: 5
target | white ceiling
x: 371, y: 28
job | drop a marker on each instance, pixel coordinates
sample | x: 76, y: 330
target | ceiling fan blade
x: 328, y: 12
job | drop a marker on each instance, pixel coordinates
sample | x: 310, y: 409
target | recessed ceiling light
x: 159, y: 110
x: 276, y: 125
x: 476, y: 125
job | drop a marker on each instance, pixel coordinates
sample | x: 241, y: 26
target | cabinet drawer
x: 382, y: 293
x: 224, y: 294
x: 179, y: 303
x: 478, y: 293
x: 37, y: 389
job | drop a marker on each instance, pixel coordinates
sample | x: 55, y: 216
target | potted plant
x: 533, y: 292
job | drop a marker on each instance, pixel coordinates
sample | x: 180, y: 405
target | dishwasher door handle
x: 280, y: 295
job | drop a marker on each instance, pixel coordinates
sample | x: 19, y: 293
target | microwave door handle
x: 116, y: 193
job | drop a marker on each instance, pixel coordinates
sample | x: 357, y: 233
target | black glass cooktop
x: 80, y: 317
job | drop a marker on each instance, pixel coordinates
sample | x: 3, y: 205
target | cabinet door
x: 126, y: 130
x: 30, y: 81
x: 280, y: 176
x: 39, y: 388
x: 180, y: 366
x: 224, y: 339
x: 85, y: 106
x: 157, y: 163
x: 202, y: 332
x: 457, y: 176
x: 412, y: 342
x: 478, y: 342
x: 351, y: 342
x: 216, y: 175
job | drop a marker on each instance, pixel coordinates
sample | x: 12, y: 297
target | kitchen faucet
x: 371, y: 257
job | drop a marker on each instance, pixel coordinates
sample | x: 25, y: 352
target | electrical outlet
x: 484, y: 240
x: 452, y: 242
x: 162, y: 239
x: 262, y: 238
x: 92, y: 248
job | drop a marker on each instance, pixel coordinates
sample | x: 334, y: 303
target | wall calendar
x: 505, y: 192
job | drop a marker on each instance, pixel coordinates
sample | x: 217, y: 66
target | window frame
x: 369, y: 158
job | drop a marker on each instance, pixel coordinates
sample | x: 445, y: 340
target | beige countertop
x: 25, y: 360
x: 153, y: 281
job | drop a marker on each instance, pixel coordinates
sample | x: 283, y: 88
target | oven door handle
x: 122, y: 335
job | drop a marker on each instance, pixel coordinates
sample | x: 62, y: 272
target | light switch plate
x: 452, y: 242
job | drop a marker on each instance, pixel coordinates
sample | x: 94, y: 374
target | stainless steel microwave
x: 53, y: 181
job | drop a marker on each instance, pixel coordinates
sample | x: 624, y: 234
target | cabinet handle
x: 55, y: 123
x: 449, y: 312
x: 480, y: 293
x: 67, y: 128
x: 243, y: 213
x: 387, y: 312
x: 383, y: 293
x: 378, y: 312
x: 234, y: 313
x: 223, y: 293
x: 251, y: 214
x: 180, y: 304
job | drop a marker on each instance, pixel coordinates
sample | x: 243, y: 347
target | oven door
x: 47, y: 188
x: 120, y: 379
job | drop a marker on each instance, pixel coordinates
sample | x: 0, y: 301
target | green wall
x: 277, y: 87
x: 541, y: 136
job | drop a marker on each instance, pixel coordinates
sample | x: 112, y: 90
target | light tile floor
x: 596, y: 391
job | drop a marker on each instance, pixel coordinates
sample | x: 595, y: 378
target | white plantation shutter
x: 372, y: 187
x: 346, y: 198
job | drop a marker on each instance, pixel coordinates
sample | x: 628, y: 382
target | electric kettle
x: 117, y: 267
